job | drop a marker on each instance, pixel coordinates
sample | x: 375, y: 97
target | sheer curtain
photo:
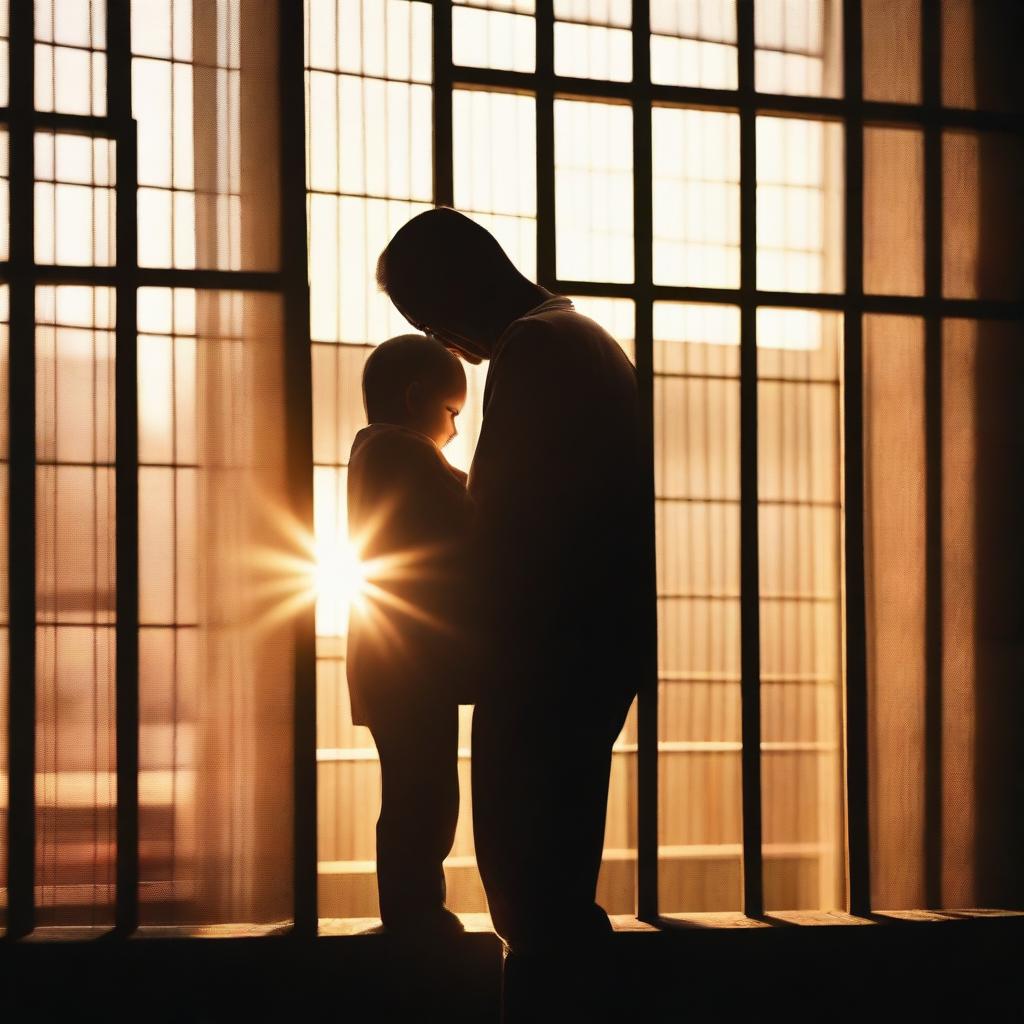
x: 217, y: 652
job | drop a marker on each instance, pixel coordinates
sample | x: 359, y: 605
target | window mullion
x: 855, y: 716
x: 647, y: 700
x: 119, y: 108
x: 750, y: 656
x: 21, y: 819
x: 931, y: 94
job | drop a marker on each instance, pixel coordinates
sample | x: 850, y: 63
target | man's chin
x: 466, y: 357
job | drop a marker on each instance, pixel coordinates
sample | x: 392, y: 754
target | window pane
x: 893, y: 211
x: 494, y: 139
x: 982, y: 215
x: 892, y: 50
x: 75, y: 605
x: 369, y: 154
x: 215, y: 639
x: 346, y: 235
x: 70, y: 65
x: 894, y: 546
x: 593, y: 191
x: 696, y: 424
x: 493, y: 38
x: 799, y: 205
x: 74, y: 200
x: 593, y: 40
x: 799, y: 445
x: 204, y: 93
x: 616, y: 316
x: 799, y: 47
x: 980, y: 61
x: 693, y: 42
x: 696, y: 198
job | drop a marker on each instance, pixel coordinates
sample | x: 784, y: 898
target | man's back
x: 557, y: 482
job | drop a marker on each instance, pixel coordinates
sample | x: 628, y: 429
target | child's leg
x: 418, y: 748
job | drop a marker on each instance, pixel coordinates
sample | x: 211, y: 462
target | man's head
x: 449, y: 277
x: 415, y: 382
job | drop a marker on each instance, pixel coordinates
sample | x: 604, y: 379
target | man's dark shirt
x: 557, y: 487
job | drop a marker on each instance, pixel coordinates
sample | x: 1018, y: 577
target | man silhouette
x: 559, y: 570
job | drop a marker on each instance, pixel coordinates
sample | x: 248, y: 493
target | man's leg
x: 419, y: 809
x: 540, y: 792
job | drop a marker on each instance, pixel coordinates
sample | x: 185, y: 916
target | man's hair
x: 442, y: 260
x: 398, y: 362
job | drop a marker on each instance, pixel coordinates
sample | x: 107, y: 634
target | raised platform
x: 801, y: 963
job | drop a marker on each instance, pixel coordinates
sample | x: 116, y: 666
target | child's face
x: 437, y: 413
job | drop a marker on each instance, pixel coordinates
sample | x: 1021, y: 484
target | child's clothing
x: 410, y: 516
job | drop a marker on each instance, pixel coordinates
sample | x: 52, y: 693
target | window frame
x: 850, y: 110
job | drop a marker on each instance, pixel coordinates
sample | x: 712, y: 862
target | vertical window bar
x: 931, y: 92
x: 856, y: 739
x: 119, y: 81
x: 21, y: 823
x: 647, y: 701
x: 544, y: 18
x: 750, y: 658
x: 444, y: 187
x: 299, y: 443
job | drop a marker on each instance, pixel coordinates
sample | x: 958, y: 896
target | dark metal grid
x: 299, y: 445
x: 853, y: 112
x: 931, y: 95
x: 750, y: 605
x: 119, y: 79
x: 21, y: 821
x: 855, y: 795
x: 23, y: 275
x: 648, y: 827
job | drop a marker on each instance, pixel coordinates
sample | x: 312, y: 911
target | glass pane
x: 893, y: 211
x: 981, y: 55
x: 616, y: 316
x: 982, y: 214
x: 76, y: 593
x: 799, y: 205
x: 593, y: 40
x: 215, y: 738
x: 892, y: 50
x: 696, y: 197
x: 799, y: 47
x: 593, y: 191
x: 493, y: 38
x: 74, y: 200
x: 696, y: 431
x: 369, y: 154
x: 494, y: 138
x: 346, y: 236
x: 70, y: 65
x: 800, y: 518
x: 894, y: 547
x: 693, y: 42
x: 204, y: 92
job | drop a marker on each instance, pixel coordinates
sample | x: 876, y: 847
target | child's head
x: 415, y: 382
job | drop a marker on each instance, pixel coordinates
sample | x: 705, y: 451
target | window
x: 802, y: 234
